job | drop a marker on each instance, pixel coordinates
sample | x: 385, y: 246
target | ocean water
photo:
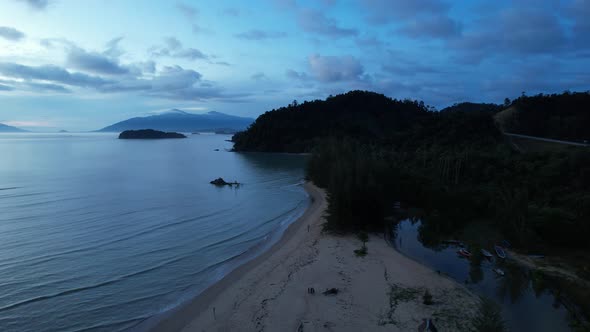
x: 100, y: 234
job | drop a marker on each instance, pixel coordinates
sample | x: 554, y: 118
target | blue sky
x: 82, y: 65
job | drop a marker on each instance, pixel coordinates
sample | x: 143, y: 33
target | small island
x: 148, y: 134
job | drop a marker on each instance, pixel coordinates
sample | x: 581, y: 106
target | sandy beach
x: 379, y: 292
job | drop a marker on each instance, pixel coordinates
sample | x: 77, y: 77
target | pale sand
x: 379, y: 292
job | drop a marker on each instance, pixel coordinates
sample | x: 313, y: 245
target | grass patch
x: 362, y: 252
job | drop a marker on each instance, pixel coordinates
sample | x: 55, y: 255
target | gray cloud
x: 5, y: 88
x: 47, y: 87
x: 113, y: 49
x: 521, y: 31
x: 189, y: 11
x: 389, y: 11
x: 260, y: 35
x: 175, y: 49
x: 260, y: 76
x: 50, y: 73
x: 335, y: 68
x: 316, y: 22
x: 94, y: 62
x: 37, y: 4
x: 171, y: 82
x: 370, y: 41
x: 295, y: 75
x: 438, y: 26
x: 11, y: 34
x: 235, y: 12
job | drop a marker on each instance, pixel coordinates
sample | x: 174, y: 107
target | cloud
x: 37, y: 4
x: 314, y: 21
x: 389, y: 11
x: 579, y: 12
x: 432, y: 27
x: 94, y: 62
x: 335, y: 68
x: 260, y: 35
x: 370, y: 41
x: 5, y: 88
x: 522, y: 31
x: 188, y: 11
x: 174, y: 49
x: 47, y: 87
x: 113, y: 49
x: 50, y: 73
x: 235, y: 12
x: 28, y: 123
x: 11, y: 34
x: 295, y: 75
x: 260, y: 76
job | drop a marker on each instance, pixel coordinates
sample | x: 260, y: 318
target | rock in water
x: 148, y: 134
x: 222, y: 182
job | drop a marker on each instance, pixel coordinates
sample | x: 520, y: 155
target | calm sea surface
x: 99, y: 234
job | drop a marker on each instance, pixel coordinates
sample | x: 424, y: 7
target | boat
x: 486, y: 253
x: 464, y: 253
x: 499, y: 271
x: 505, y: 244
x: 500, y: 251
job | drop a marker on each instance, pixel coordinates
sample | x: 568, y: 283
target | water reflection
x: 528, y: 300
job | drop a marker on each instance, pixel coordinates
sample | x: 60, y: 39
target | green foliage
x: 489, y: 318
x: 475, y: 107
x: 427, y: 298
x: 362, y: 252
x: 363, y: 236
x: 369, y: 151
x: 367, y: 116
x: 561, y: 116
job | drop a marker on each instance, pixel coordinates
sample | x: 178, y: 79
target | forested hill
x: 470, y: 107
x: 367, y: 116
x: 561, y: 116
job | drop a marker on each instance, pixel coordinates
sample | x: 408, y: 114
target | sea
x: 102, y: 234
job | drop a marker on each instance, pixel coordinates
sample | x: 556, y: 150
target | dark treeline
x: 469, y: 107
x: 560, y: 116
x: 456, y: 165
x: 367, y: 116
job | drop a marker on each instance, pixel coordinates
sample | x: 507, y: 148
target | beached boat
x: 464, y: 253
x: 486, y: 253
x: 499, y: 272
x: 500, y: 251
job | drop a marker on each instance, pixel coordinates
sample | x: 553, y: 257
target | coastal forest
x: 369, y: 151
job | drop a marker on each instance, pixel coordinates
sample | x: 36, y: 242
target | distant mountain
x: 181, y: 121
x: 9, y: 129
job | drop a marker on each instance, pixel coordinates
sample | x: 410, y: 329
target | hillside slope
x: 177, y: 120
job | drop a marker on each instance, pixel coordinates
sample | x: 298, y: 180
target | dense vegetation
x: 455, y: 165
x: 469, y: 107
x: 367, y: 116
x: 148, y: 134
x: 560, y: 116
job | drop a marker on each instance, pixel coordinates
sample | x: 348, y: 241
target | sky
x: 85, y: 64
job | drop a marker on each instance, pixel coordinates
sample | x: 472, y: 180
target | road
x: 547, y: 139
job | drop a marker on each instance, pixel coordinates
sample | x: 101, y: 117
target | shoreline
x: 382, y: 291
x: 177, y: 318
